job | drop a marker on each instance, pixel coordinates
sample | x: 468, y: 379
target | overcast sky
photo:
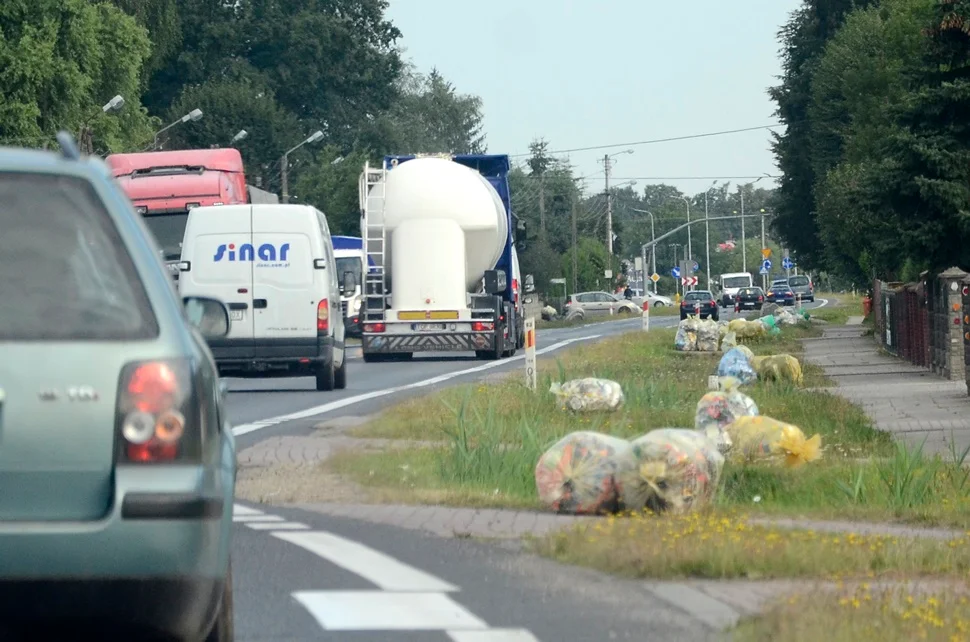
x: 582, y: 73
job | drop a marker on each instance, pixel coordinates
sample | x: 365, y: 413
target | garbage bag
x: 581, y: 473
x: 778, y: 367
x: 686, y: 337
x: 587, y: 395
x: 676, y: 470
x: 786, y: 317
x: 735, y: 363
x: 766, y: 438
x: 707, y: 336
x: 745, y: 329
x: 729, y: 341
x: 717, y: 409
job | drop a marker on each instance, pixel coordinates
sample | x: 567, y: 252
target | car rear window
x: 698, y: 295
x: 798, y: 280
x: 66, y: 272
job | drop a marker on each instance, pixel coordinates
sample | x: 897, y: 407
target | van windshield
x: 168, y: 230
x: 349, y: 264
x: 735, y: 281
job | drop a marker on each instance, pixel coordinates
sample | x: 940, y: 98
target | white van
x: 274, y: 267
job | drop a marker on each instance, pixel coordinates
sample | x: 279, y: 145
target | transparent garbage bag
x: 729, y: 341
x: 708, y: 336
x: 588, y: 395
x: 686, y: 338
x: 736, y: 363
x: 766, y: 438
x: 676, y: 470
x: 778, y: 367
x: 582, y: 473
x: 717, y: 409
x: 787, y: 317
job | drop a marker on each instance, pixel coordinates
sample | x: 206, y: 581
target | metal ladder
x: 374, y: 238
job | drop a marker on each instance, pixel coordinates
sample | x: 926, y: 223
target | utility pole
x: 575, y: 248
x: 744, y: 250
x: 609, y: 211
x: 707, y: 236
x: 542, y: 204
x: 764, y: 277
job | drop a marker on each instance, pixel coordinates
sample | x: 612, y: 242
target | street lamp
x: 653, y: 251
x: 314, y: 137
x: 114, y: 105
x: 240, y: 135
x: 85, y: 137
x: 609, y: 202
x: 193, y: 115
x: 707, y: 235
x: 744, y: 253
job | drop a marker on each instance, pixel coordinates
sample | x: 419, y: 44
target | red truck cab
x: 164, y: 186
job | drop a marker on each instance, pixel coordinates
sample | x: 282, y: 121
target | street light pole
x: 653, y: 250
x: 284, y: 175
x: 193, y: 115
x: 607, y: 163
x: 707, y: 236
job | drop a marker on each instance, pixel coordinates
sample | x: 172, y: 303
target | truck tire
x: 340, y: 376
x: 326, y: 376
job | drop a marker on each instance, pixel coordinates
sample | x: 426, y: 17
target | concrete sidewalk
x: 907, y: 401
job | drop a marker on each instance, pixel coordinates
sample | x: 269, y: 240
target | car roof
x: 47, y: 162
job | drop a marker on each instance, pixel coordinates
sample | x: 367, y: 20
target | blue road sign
x: 764, y: 270
x: 696, y: 266
x: 766, y: 264
x: 675, y: 273
x: 787, y: 263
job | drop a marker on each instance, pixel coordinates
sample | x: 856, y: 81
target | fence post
x: 954, y: 366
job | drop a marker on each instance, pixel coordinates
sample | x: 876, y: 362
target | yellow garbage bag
x: 676, y: 470
x: 778, y: 367
x: 744, y: 329
x: 762, y: 437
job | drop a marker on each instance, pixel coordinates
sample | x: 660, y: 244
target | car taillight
x: 157, y: 414
x: 482, y: 326
x: 760, y: 298
x: 323, y: 316
x: 713, y: 302
x: 374, y: 327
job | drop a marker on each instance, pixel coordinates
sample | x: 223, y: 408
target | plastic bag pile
x: 686, y: 338
x: 778, y: 367
x: 708, y: 336
x: 582, y: 473
x: 736, y: 363
x: 744, y: 329
x: 717, y: 409
x: 766, y: 438
x: 676, y: 471
x: 588, y: 395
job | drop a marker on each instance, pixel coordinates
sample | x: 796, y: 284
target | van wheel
x: 326, y: 376
x: 340, y: 377
x: 222, y: 630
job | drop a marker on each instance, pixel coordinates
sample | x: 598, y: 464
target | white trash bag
x: 588, y: 395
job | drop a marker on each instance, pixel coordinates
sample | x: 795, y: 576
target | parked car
x: 599, y: 303
x: 781, y: 294
x: 749, y: 299
x: 657, y: 300
x: 803, y: 287
x: 117, y: 460
x: 699, y: 302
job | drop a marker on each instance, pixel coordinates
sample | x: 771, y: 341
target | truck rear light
x: 191, y: 206
x: 323, y: 317
x: 374, y: 327
x: 141, y: 209
x: 482, y: 326
x: 157, y: 413
x: 515, y: 291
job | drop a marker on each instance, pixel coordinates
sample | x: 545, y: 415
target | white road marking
x: 239, y: 510
x: 243, y: 429
x: 493, y: 635
x: 382, y: 611
x: 273, y: 526
x: 257, y: 518
x: 374, y: 566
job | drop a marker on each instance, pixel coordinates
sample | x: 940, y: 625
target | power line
x: 689, y: 178
x: 656, y: 140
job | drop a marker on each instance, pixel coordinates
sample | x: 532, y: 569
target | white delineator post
x: 531, y: 376
x: 646, y: 316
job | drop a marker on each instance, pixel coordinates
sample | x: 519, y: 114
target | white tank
x: 445, y: 226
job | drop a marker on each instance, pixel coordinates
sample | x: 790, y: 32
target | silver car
x: 597, y: 303
x: 117, y: 461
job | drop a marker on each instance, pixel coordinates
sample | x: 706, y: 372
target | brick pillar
x: 952, y: 281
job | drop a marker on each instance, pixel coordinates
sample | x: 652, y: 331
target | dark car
x: 803, y: 287
x: 701, y: 303
x: 749, y: 299
x: 781, y: 294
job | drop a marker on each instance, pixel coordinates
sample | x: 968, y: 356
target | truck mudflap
x: 430, y: 342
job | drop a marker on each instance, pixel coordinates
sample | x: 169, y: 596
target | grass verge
x: 726, y: 545
x: 864, y: 615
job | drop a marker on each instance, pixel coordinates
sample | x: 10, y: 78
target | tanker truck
x: 441, y: 276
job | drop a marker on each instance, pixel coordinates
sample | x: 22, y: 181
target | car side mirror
x: 209, y: 316
x: 530, y: 284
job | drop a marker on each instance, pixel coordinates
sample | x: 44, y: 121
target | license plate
x: 236, y: 315
x: 429, y: 327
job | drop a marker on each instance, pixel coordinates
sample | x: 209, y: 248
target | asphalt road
x: 303, y: 576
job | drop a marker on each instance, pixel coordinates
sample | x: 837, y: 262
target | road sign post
x: 531, y: 376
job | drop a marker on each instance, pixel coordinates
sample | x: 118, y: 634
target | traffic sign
x: 764, y: 270
x: 689, y: 281
x: 695, y: 267
x: 787, y: 263
x: 654, y: 277
x: 766, y: 264
x: 765, y: 252
x: 675, y: 273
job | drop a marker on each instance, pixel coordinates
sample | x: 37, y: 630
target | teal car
x: 117, y: 462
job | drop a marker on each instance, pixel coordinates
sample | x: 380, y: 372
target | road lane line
x: 257, y: 518
x: 244, y: 429
x: 273, y: 526
x: 374, y: 566
x: 493, y: 635
x: 239, y: 509
x: 382, y: 611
